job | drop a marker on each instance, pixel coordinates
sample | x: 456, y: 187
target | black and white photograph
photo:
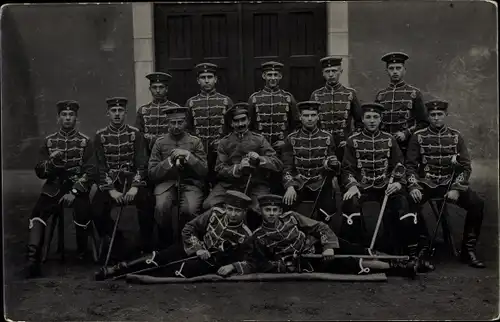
x: 250, y: 161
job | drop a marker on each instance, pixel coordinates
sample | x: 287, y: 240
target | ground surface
x: 68, y: 293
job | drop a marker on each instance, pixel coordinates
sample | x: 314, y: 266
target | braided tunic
x: 152, y: 120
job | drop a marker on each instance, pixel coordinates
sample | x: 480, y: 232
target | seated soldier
x: 122, y: 165
x: 177, y: 158
x: 309, y: 160
x: 218, y: 238
x: 65, y: 164
x: 371, y: 158
x: 439, y: 166
x: 283, y: 237
x: 245, y: 160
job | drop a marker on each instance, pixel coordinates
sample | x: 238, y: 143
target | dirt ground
x: 68, y: 293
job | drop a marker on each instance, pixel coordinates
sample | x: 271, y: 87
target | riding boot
x: 35, y: 245
x: 405, y: 268
x: 423, y: 265
x: 468, y: 252
x: 82, y: 237
x: 121, y: 268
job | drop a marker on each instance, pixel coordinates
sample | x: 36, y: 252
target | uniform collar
x: 159, y: 103
x: 269, y: 90
x: 334, y: 86
x: 67, y: 134
x: 117, y: 129
x: 307, y: 132
x: 371, y: 134
x: 242, y: 135
x: 177, y: 138
x: 437, y: 130
x: 270, y: 226
x: 208, y: 94
x: 398, y: 85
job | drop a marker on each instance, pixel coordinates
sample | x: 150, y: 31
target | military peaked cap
x: 237, y: 109
x: 372, y: 107
x: 176, y: 111
x: 330, y: 62
x: 237, y: 199
x: 395, y: 57
x: 270, y: 200
x: 67, y: 105
x: 158, y: 77
x: 272, y: 66
x: 308, y: 105
x: 436, y: 105
x: 117, y: 101
x: 206, y: 68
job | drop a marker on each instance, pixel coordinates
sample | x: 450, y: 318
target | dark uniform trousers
x: 103, y: 204
x: 468, y: 200
x: 396, y: 216
x: 326, y: 200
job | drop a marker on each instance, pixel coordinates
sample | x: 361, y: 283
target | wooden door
x: 291, y: 33
x: 239, y: 37
x: 186, y: 35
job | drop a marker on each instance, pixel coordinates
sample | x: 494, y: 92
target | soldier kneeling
x: 284, y: 237
x: 219, y: 239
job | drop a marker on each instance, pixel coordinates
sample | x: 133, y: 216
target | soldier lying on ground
x: 218, y: 238
x: 283, y: 237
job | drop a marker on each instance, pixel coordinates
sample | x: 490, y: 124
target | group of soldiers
x: 223, y: 181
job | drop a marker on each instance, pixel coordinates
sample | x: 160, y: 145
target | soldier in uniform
x: 177, y: 158
x: 340, y: 106
x: 151, y: 119
x: 370, y: 157
x: 284, y: 236
x: 218, y: 239
x: 272, y: 110
x: 206, y: 114
x: 242, y: 154
x: 404, y: 110
x: 439, y: 166
x: 121, y: 159
x: 308, y: 158
x: 65, y: 163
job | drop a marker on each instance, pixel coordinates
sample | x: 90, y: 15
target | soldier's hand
x: 342, y: 144
x: 226, y: 270
x: 328, y: 254
x: 392, y: 188
x: 67, y: 199
x: 130, y: 195
x: 400, y: 136
x: 215, y: 144
x: 245, y: 163
x: 351, y: 192
x: 203, y: 254
x: 117, y: 196
x: 416, y: 195
x: 176, y: 153
x: 452, y: 195
x: 290, y: 196
x: 253, y: 155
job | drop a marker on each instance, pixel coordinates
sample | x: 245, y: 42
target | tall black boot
x: 351, y: 228
x: 121, y: 268
x: 35, y: 244
x: 405, y: 268
x: 468, y: 252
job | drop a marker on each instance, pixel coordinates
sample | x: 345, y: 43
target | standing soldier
x: 370, y: 157
x: 339, y: 104
x: 245, y: 160
x: 122, y: 164
x: 177, y: 161
x: 308, y: 156
x: 404, y: 110
x: 151, y: 119
x: 439, y: 166
x: 206, y: 114
x: 64, y: 163
x: 273, y: 111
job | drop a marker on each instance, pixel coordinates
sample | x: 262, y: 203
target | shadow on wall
x: 19, y: 126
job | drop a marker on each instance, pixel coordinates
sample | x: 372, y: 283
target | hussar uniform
x: 72, y: 173
x: 166, y: 174
x: 437, y: 159
x: 232, y: 149
x: 228, y: 244
x: 273, y: 112
x: 340, y: 112
x: 278, y: 246
x: 308, y: 158
x: 206, y: 118
x: 151, y: 118
x: 369, y: 160
x: 404, y: 109
x: 122, y: 163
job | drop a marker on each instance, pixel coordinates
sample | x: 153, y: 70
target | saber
x: 248, y: 183
x: 115, y: 228
x: 317, y: 197
x: 398, y: 172
x: 314, y: 256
